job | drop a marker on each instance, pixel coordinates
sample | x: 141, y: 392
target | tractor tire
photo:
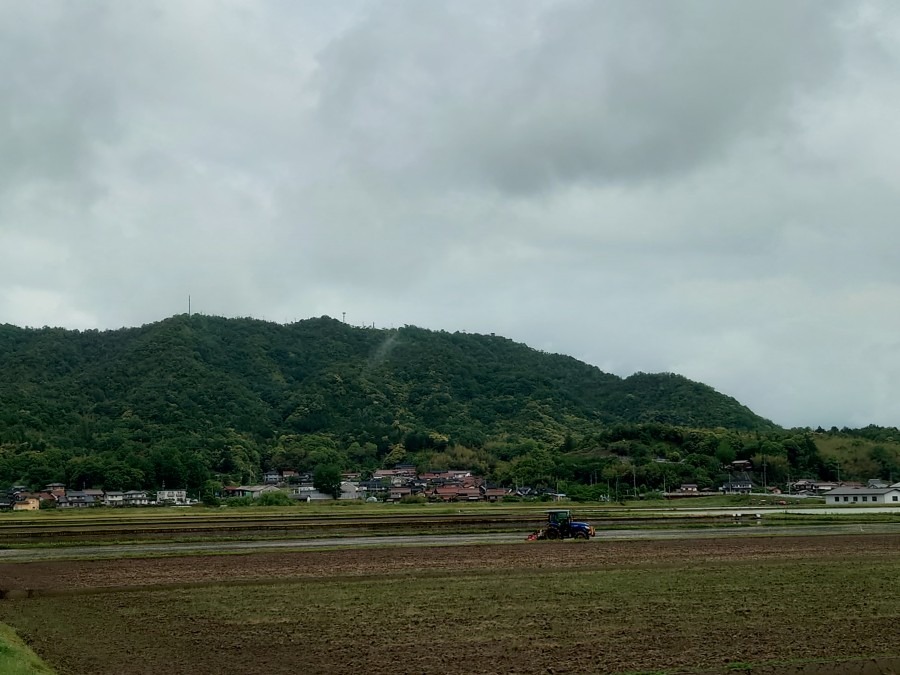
x: 581, y: 535
x: 552, y: 534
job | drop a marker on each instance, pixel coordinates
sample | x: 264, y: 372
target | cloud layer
x: 700, y: 187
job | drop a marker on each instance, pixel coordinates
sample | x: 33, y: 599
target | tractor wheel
x: 552, y: 534
x: 581, y: 535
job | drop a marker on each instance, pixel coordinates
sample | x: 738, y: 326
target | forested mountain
x: 195, y: 397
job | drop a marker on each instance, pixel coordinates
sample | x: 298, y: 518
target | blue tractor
x: 561, y: 526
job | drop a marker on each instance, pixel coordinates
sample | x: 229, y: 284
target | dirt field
x: 625, y: 606
x: 67, y: 576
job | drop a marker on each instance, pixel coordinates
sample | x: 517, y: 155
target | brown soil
x: 73, y: 607
x: 144, y: 572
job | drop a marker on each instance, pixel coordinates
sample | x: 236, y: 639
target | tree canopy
x: 194, y: 399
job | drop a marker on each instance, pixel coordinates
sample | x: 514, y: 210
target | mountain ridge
x: 197, y: 388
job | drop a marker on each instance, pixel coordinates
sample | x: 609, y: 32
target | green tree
x: 887, y: 460
x: 327, y: 479
x: 396, y: 456
x: 210, y: 491
x: 772, y: 468
x: 724, y: 452
x: 535, y: 468
x: 209, y: 499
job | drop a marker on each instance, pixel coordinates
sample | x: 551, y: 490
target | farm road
x: 249, y: 546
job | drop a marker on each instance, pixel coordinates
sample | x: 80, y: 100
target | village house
x: 252, y: 491
x: 803, y: 486
x: 75, y: 499
x: 135, y: 498
x: 737, y: 485
x: 493, y: 494
x: 176, y: 497
x: 27, y: 504
x: 306, y: 492
x: 372, y: 488
x: 444, y: 493
x: 460, y: 493
x: 398, y: 493
x: 846, y: 496
x: 811, y: 486
x: 351, y: 490
x: 114, y: 498
x: 394, y: 477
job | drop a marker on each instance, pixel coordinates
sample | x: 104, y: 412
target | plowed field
x: 775, y: 605
x: 67, y: 576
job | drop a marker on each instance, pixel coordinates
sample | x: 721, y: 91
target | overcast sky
x: 704, y: 187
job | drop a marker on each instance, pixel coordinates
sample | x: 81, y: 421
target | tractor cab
x: 559, y: 517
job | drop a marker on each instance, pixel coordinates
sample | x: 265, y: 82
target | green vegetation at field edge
x: 16, y: 658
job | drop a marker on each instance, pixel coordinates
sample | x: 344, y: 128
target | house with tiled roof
x: 444, y: 493
x: 493, y: 494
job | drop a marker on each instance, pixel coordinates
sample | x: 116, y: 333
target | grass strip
x: 16, y: 658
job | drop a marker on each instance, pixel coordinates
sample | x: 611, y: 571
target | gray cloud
x: 608, y: 92
x: 701, y: 187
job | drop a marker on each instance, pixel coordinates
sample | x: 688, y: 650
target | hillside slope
x: 222, y: 391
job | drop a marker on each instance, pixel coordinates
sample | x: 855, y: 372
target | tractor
x: 561, y: 526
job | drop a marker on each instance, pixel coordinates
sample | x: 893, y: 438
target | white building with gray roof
x: 847, y: 496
